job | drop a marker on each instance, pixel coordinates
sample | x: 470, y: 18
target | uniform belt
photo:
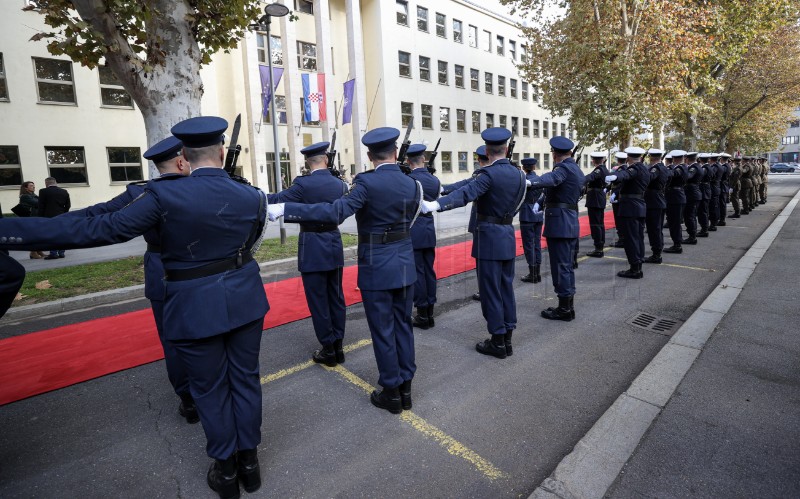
x: 564, y: 206
x: 389, y: 237
x: 319, y: 228
x: 153, y: 248
x: 496, y: 220
x: 212, y: 268
x: 622, y: 195
x: 594, y: 189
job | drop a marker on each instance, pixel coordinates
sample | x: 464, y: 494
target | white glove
x: 536, y: 209
x: 730, y: 191
x: 604, y: 191
x: 275, y: 211
x: 527, y: 182
x: 430, y: 206
x: 441, y: 190
x: 613, y: 197
x: 610, y: 178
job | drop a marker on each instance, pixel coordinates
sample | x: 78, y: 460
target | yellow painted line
x: 305, y: 365
x: 451, y: 445
x: 665, y: 264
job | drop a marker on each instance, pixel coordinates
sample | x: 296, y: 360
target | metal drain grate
x: 661, y: 325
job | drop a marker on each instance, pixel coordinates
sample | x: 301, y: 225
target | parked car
x: 781, y: 168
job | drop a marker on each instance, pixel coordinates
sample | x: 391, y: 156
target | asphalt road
x: 480, y: 427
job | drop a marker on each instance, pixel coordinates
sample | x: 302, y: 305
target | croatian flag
x: 314, y: 97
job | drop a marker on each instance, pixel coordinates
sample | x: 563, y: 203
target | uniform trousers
x: 722, y: 211
x: 713, y: 209
x: 744, y: 195
x: 498, y: 303
x: 531, y: 234
x: 763, y: 191
x: 225, y: 385
x: 425, y: 286
x: 675, y: 219
x: 690, y: 217
x: 735, y: 201
x: 12, y: 274
x: 597, y: 224
x: 634, y: 238
x: 561, y: 250
x: 176, y: 372
x: 617, y: 223
x: 325, y: 298
x: 702, y: 214
x: 654, y: 222
x: 389, y: 318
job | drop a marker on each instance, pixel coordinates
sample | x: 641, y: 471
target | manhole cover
x: 661, y: 325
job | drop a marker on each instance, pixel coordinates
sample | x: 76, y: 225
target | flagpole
x: 278, y: 182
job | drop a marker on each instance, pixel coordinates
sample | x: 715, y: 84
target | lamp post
x: 270, y: 11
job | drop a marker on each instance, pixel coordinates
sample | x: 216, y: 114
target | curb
x: 597, y: 459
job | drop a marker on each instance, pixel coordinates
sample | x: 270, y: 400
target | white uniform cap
x: 703, y: 155
x: 635, y: 151
x: 621, y: 155
x: 655, y: 152
x: 677, y: 153
x: 725, y: 155
x: 598, y: 155
x: 668, y: 156
x: 692, y: 153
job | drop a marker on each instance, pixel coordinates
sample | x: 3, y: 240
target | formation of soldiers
x: 203, y: 226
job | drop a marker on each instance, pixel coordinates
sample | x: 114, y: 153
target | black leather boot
x: 597, y: 253
x: 529, y: 277
x: 405, y: 395
x: 476, y: 296
x: 619, y: 244
x: 635, y: 272
x: 188, y: 409
x: 654, y: 258
x: 430, y: 316
x: 509, y: 347
x: 421, y: 319
x: 337, y: 347
x: 703, y: 233
x: 222, y: 478
x: 326, y: 355
x: 494, y: 346
x: 537, y: 276
x: 248, y: 470
x: 689, y: 240
x: 674, y: 249
x: 564, y: 311
x: 721, y: 223
x: 388, y: 398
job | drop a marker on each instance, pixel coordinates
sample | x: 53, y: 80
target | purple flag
x: 266, y: 93
x: 349, y: 90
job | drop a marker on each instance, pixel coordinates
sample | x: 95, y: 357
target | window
x: 111, y: 92
x: 571, y: 132
x: 424, y: 68
x: 406, y: 113
x: 486, y: 41
x: 476, y: 122
x: 66, y: 164
x: 503, y: 121
x: 447, y: 161
x: 405, y: 63
x: 422, y: 19
x: 563, y: 130
x: 792, y: 124
x: 441, y: 29
x: 3, y: 84
x: 535, y: 93
x: 555, y: 129
x: 124, y: 163
x: 524, y: 90
x: 427, y: 116
x: 487, y: 78
x: 303, y: 115
x: 515, y: 124
x: 536, y: 129
x: 790, y: 140
x: 473, y: 36
x: 461, y: 120
x: 459, y: 72
x: 463, y: 158
x: 474, y: 79
x: 515, y: 158
x: 501, y: 45
x: 545, y: 129
x: 489, y: 120
x: 501, y: 85
x: 304, y: 6
x: 402, y: 12
x: 512, y: 49
x: 285, y: 165
x: 513, y: 83
x: 538, y: 158
x: 444, y: 119
x: 443, y: 77
x: 275, y: 45
x: 10, y: 167
x: 546, y: 165
x: 526, y: 127
x: 280, y: 110
x: 54, y: 81
x: 523, y: 53
x: 307, y: 56
x: 458, y: 36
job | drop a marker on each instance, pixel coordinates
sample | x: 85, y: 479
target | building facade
x: 789, y: 149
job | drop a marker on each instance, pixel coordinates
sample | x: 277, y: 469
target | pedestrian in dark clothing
x: 53, y: 201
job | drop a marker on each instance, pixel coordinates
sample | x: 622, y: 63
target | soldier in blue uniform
x: 724, y: 195
x: 561, y: 228
x: 705, y: 193
x: 12, y: 275
x: 713, y: 205
x: 166, y: 155
x: 385, y: 202
x: 423, y: 239
x: 633, y: 180
x: 621, y: 157
x: 676, y: 200
x: 320, y: 256
x: 656, y: 203
x: 498, y: 191
x: 693, y: 197
x: 214, y: 300
x: 596, y: 202
x: 531, y: 219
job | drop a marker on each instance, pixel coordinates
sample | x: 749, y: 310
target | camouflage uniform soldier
x: 735, y: 185
x: 764, y: 172
x: 747, y: 186
x: 755, y: 178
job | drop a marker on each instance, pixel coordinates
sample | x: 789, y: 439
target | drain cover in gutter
x: 660, y: 325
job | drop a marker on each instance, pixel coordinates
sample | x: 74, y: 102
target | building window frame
x: 512, y: 86
x: 47, y: 81
x: 424, y: 68
x: 422, y: 19
x: 535, y: 129
x: 130, y: 164
x: 489, y: 120
x: 503, y: 121
x: 113, y: 87
x: 476, y: 122
x: 501, y: 85
x: 401, y: 12
x: 280, y: 111
x: 463, y: 161
x: 458, y: 31
x: 443, y: 73
x: 444, y: 119
x: 56, y: 170
x: 526, y: 127
x: 4, y: 95
x: 10, y: 167
x: 458, y: 73
x: 500, y: 45
x: 524, y: 91
x: 441, y: 27
x: 406, y: 113
x: 404, y: 68
x: 512, y: 50
x: 427, y: 116
x: 487, y: 36
x: 277, y: 49
x: 488, y: 82
x: 304, y: 60
x: 545, y: 129
x: 461, y: 120
x: 472, y: 35
x: 446, y: 162
x: 304, y: 6
x: 475, y: 79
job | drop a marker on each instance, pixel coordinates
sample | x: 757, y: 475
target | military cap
x: 165, y: 150
x: 621, y: 155
x: 737, y: 158
x: 713, y: 155
x: 703, y: 155
x: 634, y: 151
x: 315, y: 149
x: 655, y: 152
x: 202, y: 131
x: 560, y: 143
x: 381, y: 139
x: 725, y: 155
x: 529, y: 161
x: 691, y: 154
x: 496, y: 135
x: 598, y: 155
x: 481, y: 151
x: 416, y: 150
x: 677, y: 153
x: 668, y: 156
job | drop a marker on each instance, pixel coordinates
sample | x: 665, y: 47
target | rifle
x: 511, y: 144
x: 401, y: 156
x: 574, y: 152
x: 233, y: 152
x: 331, y: 154
x: 431, y: 168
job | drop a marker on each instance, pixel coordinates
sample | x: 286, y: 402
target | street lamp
x: 270, y: 11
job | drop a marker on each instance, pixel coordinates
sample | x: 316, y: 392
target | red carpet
x: 47, y: 360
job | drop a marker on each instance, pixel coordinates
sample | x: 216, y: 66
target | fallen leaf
x: 43, y: 284
x: 20, y: 296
